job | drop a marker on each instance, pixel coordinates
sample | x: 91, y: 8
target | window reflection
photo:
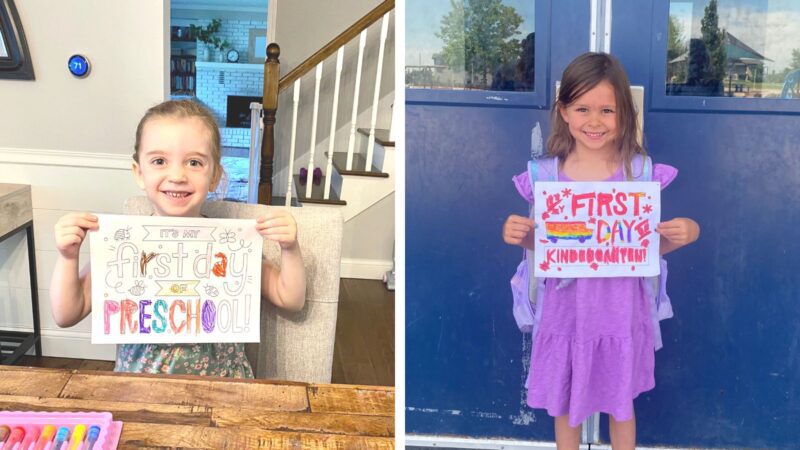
x: 3, y: 49
x: 734, y: 48
x: 470, y: 44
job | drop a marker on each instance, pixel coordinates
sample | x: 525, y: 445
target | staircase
x: 357, y: 188
x: 315, y: 156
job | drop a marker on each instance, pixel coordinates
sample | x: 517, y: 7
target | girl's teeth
x: 177, y: 194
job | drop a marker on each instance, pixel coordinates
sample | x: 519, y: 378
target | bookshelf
x: 182, y: 75
x: 183, y: 53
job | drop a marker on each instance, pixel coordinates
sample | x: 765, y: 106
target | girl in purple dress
x: 594, y: 347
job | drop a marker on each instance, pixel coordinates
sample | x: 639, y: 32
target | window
x: 734, y: 48
x: 3, y: 48
x: 467, y: 49
x: 735, y: 54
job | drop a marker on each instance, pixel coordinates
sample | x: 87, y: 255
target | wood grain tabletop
x: 192, y: 412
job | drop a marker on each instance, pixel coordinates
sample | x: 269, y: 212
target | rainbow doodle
x: 567, y: 230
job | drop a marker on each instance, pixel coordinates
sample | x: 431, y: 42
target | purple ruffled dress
x: 594, y: 349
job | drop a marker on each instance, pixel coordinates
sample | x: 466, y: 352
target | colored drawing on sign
x: 175, y: 280
x: 596, y: 229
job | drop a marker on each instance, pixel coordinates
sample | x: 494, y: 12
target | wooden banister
x: 332, y: 46
x: 272, y: 68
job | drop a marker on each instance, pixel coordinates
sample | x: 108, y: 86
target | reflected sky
x: 3, y: 50
x: 771, y: 27
x: 423, y: 20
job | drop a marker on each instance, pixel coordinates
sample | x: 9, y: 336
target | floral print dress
x: 220, y: 359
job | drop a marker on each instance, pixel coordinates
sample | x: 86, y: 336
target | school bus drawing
x: 567, y: 230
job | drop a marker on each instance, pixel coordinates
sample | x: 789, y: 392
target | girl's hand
x: 70, y: 231
x: 278, y: 225
x: 679, y: 231
x: 518, y: 231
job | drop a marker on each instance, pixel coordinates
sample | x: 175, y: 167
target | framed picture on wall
x: 257, y: 47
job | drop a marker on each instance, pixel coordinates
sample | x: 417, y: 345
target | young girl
x: 177, y: 162
x: 594, y: 350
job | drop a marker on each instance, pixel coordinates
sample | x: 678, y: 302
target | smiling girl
x: 177, y: 162
x: 594, y: 348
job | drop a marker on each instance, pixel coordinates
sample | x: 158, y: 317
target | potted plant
x: 221, y: 45
x: 205, y: 37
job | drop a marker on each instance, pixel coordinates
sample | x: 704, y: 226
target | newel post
x: 270, y: 102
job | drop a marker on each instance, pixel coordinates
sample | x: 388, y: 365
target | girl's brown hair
x: 582, y: 75
x: 184, y: 109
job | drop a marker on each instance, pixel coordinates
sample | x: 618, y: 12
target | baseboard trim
x: 365, y: 269
x: 65, y: 158
x: 444, y: 442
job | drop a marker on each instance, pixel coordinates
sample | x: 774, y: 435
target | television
x: 239, y: 110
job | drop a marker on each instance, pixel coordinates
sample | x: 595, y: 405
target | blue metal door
x: 465, y: 358
x: 729, y: 373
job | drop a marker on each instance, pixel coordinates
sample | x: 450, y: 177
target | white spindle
x: 256, y: 134
x: 332, y: 138
x: 352, y: 142
x: 310, y: 175
x: 295, y: 103
x: 375, y: 98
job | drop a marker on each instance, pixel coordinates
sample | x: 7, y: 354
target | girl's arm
x: 285, y: 287
x: 70, y: 290
x: 676, y: 233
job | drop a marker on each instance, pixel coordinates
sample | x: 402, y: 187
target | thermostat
x: 79, y: 66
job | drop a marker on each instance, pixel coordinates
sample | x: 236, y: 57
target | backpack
x: 528, y: 292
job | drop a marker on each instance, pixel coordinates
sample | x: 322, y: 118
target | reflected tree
x: 714, y: 42
x: 676, y: 69
x: 478, y: 37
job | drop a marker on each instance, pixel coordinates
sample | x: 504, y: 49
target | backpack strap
x: 545, y: 169
x: 641, y: 168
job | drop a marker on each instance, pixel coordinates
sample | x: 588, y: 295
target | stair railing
x: 273, y: 86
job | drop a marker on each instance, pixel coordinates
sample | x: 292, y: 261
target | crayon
x: 94, y: 432
x: 4, y: 432
x: 47, y: 435
x: 61, y: 437
x: 17, y: 434
x: 77, y: 436
x: 30, y: 438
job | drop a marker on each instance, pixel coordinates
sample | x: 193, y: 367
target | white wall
x: 321, y: 21
x: 370, y: 254
x: 124, y: 41
x: 71, y: 139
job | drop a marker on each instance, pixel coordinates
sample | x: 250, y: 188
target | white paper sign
x: 175, y: 280
x: 603, y: 229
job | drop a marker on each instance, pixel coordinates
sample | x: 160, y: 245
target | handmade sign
x: 175, y: 280
x: 603, y: 229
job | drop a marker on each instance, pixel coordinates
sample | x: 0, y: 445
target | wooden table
x: 191, y: 412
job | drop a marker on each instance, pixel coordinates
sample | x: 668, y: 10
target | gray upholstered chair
x: 294, y: 345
